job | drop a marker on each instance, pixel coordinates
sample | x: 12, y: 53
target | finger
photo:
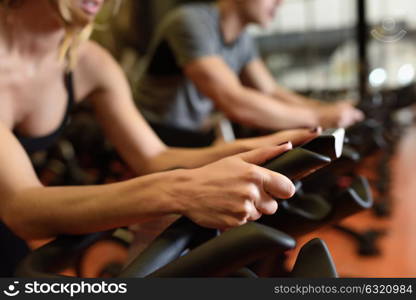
x: 262, y: 155
x: 297, y: 136
x: 277, y: 185
x: 250, y: 209
x: 344, y: 121
x: 266, y: 204
x: 228, y: 222
x: 255, y: 214
x: 352, y: 118
x: 347, y: 119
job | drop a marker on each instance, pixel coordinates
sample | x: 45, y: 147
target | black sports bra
x: 33, y: 144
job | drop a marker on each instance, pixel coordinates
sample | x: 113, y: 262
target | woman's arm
x: 132, y: 136
x: 221, y: 195
x: 34, y: 211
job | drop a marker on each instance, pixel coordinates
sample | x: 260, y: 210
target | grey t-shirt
x: 164, y: 94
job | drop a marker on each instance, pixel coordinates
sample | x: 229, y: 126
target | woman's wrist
x: 172, y: 189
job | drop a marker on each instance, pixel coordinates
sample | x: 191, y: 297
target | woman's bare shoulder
x: 92, y: 55
x: 94, y: 65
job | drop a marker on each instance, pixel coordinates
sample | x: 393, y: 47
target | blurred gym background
x: 329, y: 49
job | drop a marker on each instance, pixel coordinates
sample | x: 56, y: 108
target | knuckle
x: 247, y: 208
x: 250, y: 193
x: 243, y: 210
x: 252, y: 174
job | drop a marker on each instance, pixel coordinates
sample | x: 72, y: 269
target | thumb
x: 261, y: 155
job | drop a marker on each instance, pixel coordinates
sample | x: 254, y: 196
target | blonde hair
x: 77, y: 29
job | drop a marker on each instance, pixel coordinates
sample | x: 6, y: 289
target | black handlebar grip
x: 314, y: 261
x: 297, y: 163
x: 167, y: 247
x: 228, y: 252
x: 315, y: 212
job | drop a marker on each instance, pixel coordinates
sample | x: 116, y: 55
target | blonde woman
x: 46, y: 66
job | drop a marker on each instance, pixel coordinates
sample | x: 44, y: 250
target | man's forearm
x: 252, y: 108
x: 290, y: 97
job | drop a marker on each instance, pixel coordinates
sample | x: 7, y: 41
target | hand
x: 352, y: 102
x: 232, y: 191
x: 295, y: 136
x: 341, y: 114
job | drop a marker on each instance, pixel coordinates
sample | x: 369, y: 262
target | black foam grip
x: 302, y: 217
x: 297, y: 163
x: 167, y: 247
x: 314, y: 261
x: 228, y: 252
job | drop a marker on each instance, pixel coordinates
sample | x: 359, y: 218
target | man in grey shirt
x: 202, y: 60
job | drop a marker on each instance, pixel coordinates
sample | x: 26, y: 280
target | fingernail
x: 292, y: 190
